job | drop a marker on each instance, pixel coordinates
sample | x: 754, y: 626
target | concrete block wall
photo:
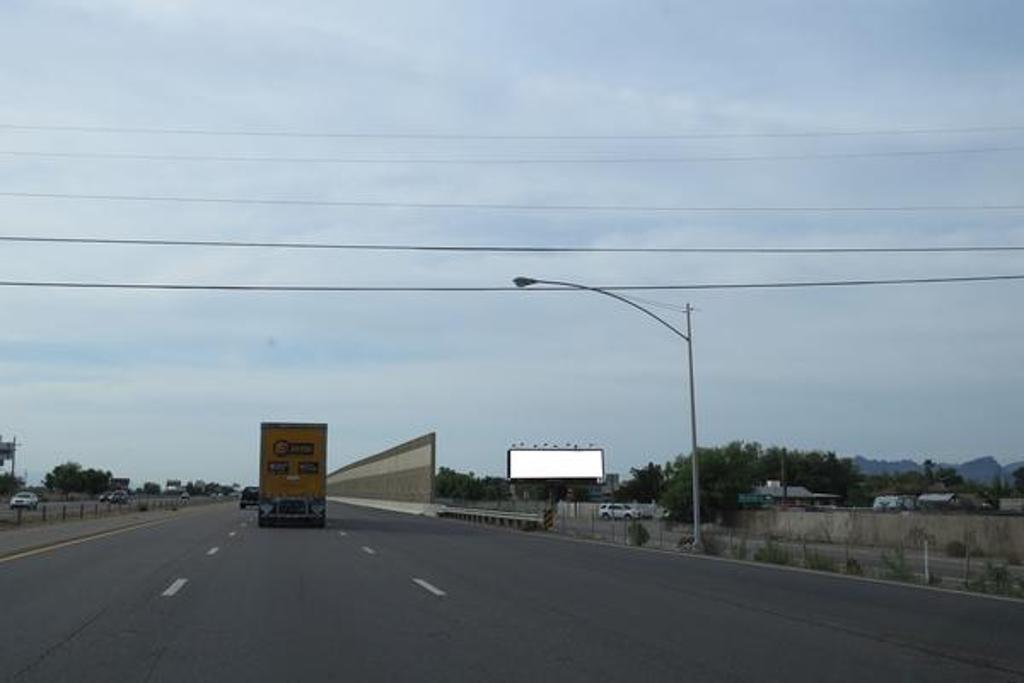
x: 995, y: 535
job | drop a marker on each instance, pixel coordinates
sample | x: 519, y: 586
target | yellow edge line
x: 82, y: 539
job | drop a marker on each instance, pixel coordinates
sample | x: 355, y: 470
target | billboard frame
x: 580, y: 481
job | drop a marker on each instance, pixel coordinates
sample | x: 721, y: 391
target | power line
x: 697, y: 135
x: 119, y: 156
x: 619, y: 208
x: 157, y: 242
x: 478, y: 289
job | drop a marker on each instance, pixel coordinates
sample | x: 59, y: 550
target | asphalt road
x: 380, y: 596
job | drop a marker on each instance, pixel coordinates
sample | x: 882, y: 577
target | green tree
x: 10, y: 484
x: 467, y: 486
x: 725, y: 472
x: 948, y: 477
x: 646, y: 486
x: 1018, y: 479
x: 151, y: 488
x: 929, y: 471
x: 95, y: 481
x: 66, y: 478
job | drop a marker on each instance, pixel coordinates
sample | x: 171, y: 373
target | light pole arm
x: 688, y: 338
x: 572, y: 285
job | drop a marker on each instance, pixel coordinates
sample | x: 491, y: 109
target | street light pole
x: 688, y: 338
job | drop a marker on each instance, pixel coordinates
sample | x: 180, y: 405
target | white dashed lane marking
x: 175, y: 586
x: 368, y: 550
x: 342, y: 533
x: 427, y: 586
x: 212, y: 551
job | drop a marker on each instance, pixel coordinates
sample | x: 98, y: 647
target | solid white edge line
x: 368, y: 550
x: 175, y: 586
x: 426, y: 585
x: 212, y: 551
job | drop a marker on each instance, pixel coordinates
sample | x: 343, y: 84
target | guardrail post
x: 64, y: 512
x: 95, y: 509
x: 81, y: 510
x: 44, y: 513
x: 19, y: 517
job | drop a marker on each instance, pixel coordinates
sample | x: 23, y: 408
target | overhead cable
x: 510, y: 161
x: 618, y: 208
x: 498, y: 288
x: 541, y: 249
x: 427, y: 135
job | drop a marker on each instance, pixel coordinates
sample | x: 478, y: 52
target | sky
x: 157, y: 385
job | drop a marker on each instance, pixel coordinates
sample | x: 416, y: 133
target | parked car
x: 250, y: 496
x: 184, y: 497
x: 618, y: 511
x: 24, y: 500
x: 118, y: 497
x: 882, y: 503
x: 105, y: 496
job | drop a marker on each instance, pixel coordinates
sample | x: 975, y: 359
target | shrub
x: 637, y: 534
x: 996, y: 578
x: 740, y: 551
x: 853, y: 567
x: 772, y: 553
x: 896, y: 567
x: 818, y: 562
x: 143, y: 506
x: 712, y: 546
x: 956, y: 549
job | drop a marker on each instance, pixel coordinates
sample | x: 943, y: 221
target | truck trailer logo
x: 283, y: 447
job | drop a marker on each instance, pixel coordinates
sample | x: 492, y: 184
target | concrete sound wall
x: 403, y: 473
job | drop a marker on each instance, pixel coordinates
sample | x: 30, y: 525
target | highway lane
x: 381, y: 596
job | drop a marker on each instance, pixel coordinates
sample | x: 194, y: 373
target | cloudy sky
x: 163, y: 384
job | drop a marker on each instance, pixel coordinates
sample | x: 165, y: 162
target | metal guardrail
x: 520, y: 520
x: 60, y: 511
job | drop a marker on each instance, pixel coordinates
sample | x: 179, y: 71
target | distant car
x: 618, y: 511
x: 883, y: 503
x: 118, y: 497
x: 25, y: 500
x: 105, y: 496
x: 184, y: 496
x: 250, y: 496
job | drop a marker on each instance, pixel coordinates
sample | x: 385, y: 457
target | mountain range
x: 981, y: 470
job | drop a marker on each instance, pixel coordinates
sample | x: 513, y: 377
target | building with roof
x: 774, y: 492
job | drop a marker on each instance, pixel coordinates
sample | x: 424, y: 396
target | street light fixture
x: 523, y: 282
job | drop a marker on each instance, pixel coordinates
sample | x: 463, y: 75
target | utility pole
x: 783, y: 476
x: 693, y: 435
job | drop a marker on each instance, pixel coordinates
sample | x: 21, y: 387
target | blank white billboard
x: 555, y: 463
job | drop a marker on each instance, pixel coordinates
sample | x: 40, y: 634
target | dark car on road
x: 118, y: 497
x: 250, y: 496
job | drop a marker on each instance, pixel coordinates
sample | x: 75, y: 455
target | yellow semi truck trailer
x: 293, y: 474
